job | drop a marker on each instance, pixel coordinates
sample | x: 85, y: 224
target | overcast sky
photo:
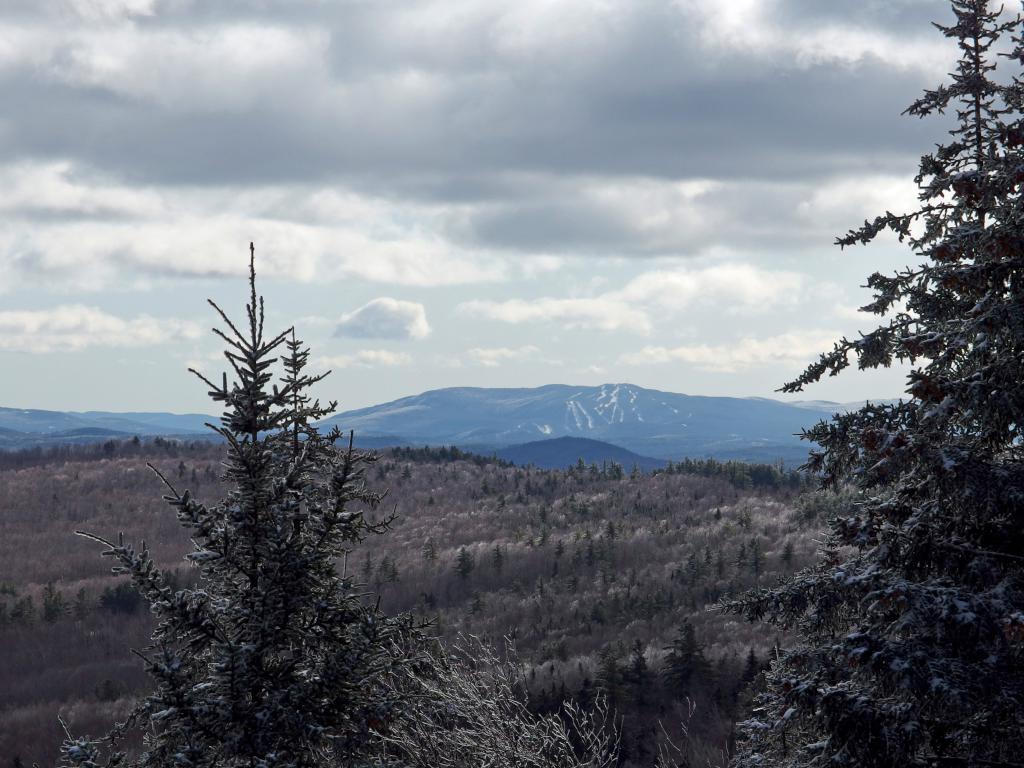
x: 451, y: 192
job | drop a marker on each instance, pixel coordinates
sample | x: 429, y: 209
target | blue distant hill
x: 26, y: 428
x: 562, y: 452
x: 41, y: 422
x: 648, y: 423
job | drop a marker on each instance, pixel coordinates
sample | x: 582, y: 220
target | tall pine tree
x: 273, y: 659
x: 912, y: 625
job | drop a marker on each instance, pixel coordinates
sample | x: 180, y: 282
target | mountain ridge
x: 651, y: 423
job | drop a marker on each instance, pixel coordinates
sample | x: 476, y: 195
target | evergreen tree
x: 685, y: 661
x: 24, y: 611
x: 80, y: 608
x: 124, y: 598
x: 54, y: 605
x: 609, y: 531
x: 609, y: 673
x: 756, y: 558
x: 741, y: 556
x: 639, y: 673
x: 751, y: 668
x: 464, y: 563
x: 912, y: 649
x: 272, y: 658
x: 787, y: 554
x: 387, y: 570
x: 429, y: 550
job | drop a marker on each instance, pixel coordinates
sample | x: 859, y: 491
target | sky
x: 451, y: 192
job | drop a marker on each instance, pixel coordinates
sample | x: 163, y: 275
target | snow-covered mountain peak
x: 647, y: 421
x: 607, y: 405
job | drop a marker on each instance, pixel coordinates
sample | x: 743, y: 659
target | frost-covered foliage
x: 272, y: 659
x: 913, y: 623
x: 470, y: 710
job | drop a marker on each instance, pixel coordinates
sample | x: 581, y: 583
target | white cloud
x: 222, y: 68
x: 493, y: 357
x: 602, y: 313
x: 540, y: 266
x: 730, y: 287
x: 96, y: 254
x: 385, y: 318
x: 412, y: 260
x: 364, y: 358
x: 750, y: 26
x: 55, y: 188
x: 788, y: 348
x: 74, y: 327
x: 67, y: 226
x: 101, y: 10
x: 850, y: 312
x: 845, y: 311
x: 841, y: 203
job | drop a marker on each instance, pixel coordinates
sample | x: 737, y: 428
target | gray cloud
x: 906, y: 16
x: 392, y: 94
x: 482, y: 126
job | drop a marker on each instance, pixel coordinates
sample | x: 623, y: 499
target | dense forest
x: 606, y: 580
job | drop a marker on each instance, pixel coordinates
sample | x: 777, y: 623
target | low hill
x: 42, y: 422
x: 562, y: 452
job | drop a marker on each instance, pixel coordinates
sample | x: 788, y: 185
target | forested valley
x: 604, y: 578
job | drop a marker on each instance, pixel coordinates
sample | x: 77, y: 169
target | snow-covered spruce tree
x: 272, y: 659
x: 911, y: 628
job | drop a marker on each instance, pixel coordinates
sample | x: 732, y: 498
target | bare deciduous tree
x: 469, y: 709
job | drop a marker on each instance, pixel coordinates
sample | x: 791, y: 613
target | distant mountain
x: 826, y: 407
x: 649, y: 422
x: 152, y: 423
x: 51, y: 422
x: 25, y: 420
x: 27, y: 428
x: 561, y: 452
x: 13, y: 440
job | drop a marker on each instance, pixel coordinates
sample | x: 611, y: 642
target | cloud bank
x: 69, y: 328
